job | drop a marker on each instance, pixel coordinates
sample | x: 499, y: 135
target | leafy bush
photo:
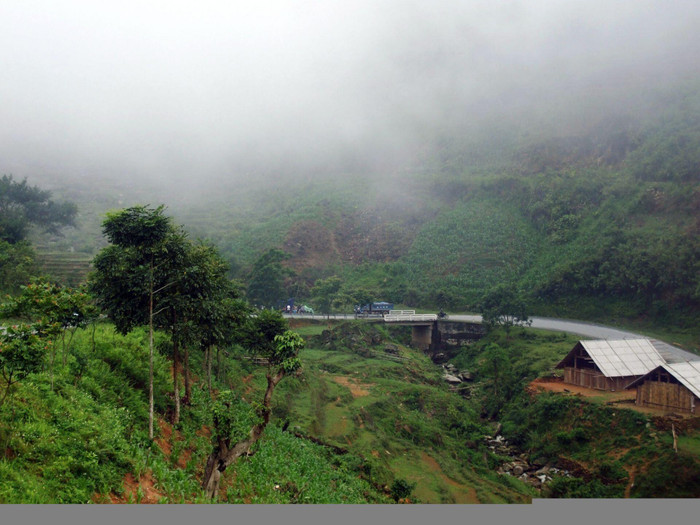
x: 401, y: 489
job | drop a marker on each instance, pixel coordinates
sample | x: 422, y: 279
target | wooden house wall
x: 594, y: 378
x: 667, y: 395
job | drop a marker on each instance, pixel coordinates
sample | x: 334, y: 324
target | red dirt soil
x: 558, y: 385
x: 146, y: 482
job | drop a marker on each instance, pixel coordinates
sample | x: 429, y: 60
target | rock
x: 452, y: 379
x: 466, y: 375
x: 518, y: 470
x: 391, y: 349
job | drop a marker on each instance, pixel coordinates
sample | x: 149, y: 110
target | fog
x: 178, y: 91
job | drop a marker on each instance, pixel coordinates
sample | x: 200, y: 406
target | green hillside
x: 369, y: 420
x: 79, y: 434
x: 603, y: 225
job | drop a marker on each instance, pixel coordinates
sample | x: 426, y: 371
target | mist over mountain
x: 187, y: 97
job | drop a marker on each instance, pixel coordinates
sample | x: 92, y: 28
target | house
x: 672, y: 387
x: 609, y: 364
x: 673, y: 354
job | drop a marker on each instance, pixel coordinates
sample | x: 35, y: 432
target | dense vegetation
x: 362, y: 425
x: 86, y: 438
x: 603, y: 225
x: 600, y: 225
x: 610, y: 451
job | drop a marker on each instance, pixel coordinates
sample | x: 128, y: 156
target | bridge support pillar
x: 422, y: 337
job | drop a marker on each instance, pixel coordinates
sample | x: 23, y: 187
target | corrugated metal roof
x: 623, y: 357
x: 687, y: 373
x: 672, y: 354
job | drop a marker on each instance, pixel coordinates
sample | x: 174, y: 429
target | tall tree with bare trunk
x: 282, y: 354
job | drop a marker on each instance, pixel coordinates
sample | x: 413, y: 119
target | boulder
x: 453, y: 380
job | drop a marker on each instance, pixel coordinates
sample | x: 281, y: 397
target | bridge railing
x: 402, y: 312
x: 409, y: 317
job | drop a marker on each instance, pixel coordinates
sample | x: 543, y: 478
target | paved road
x: 557, y: 325
x: 590, y: 330
x: 561, y: 325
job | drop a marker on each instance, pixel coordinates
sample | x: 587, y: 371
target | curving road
x: 557, y: 325
x: 594, y: 331
x: 562, y: 325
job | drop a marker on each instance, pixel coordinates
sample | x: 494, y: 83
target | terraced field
x: 70, y: 269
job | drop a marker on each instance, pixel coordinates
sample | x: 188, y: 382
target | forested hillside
x: 602, y: 224
x: 599, y: 225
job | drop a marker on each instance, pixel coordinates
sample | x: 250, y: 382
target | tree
x: 326, y: 293
x: 200, y: 281
x: 132, y: 271
x: 22, y: 205
x: 22, y: 349
x: 282, y: 354
x: 361, y: 295
x: 52, y: 305
x: 17, y: 265
x: 219, y: 322
x: 502, y: 306
x: 153, y: 274
x: 401, y: 489
x: 266, y: 284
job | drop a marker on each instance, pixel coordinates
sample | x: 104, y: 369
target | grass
x: 389, y: 414
x: 86, y: 439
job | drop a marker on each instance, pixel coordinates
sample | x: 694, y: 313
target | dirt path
x: 356, y: 388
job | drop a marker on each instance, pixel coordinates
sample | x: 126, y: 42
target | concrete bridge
x: 436, y: 336
x: 433, y: 335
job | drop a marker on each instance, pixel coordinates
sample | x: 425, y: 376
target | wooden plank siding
x: 594, y: 378
x: 666, y: 392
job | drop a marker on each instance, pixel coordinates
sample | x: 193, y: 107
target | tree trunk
x: 186, y: 372
x: 675, y: 438
x: 8, y: 382
x: 63, y: 347
x: 150, y: 356
x: 209, y: 368
x: 221, y: 457
x: 53, y: 359
x: 176, y: 387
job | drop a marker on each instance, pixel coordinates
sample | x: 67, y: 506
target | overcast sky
x: 202, y: 89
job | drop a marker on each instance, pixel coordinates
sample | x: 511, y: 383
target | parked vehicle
x: 373, y: 309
